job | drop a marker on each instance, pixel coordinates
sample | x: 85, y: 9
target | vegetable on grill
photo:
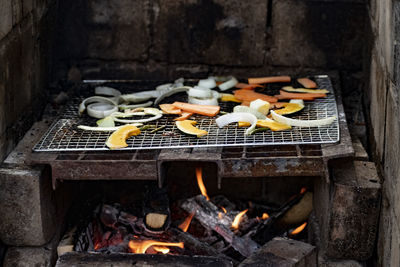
x: 206, y: 110
x: 306, y: 82
x: 274, y: 79
x: 187, y: 126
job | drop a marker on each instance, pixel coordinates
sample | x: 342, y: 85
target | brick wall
x: 384, y: 109
x: 25, y: 46
x: 166, y: 39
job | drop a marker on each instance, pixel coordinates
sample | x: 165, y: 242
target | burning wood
x: 156, y: 210
x: 238, y: 218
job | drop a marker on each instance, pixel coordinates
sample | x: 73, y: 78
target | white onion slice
x: 101, y: 110
x: 228, y: 84
x: 236, y: 117
x: 142, y: 105
x: 95, y: 99
x: 203, y: 101
x: 302, y: 123
x: 140, y: 96
x: 140, y: 111
x: 208, y: 83
x: 200, y: 92
x: 104, y: 129
x: 108, y: 91
x: 246, y: 109
x: 171, y: 92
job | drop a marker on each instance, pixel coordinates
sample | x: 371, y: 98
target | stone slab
x: 283, y: 252
x: 27, y: 210
x: 139, y: 260
x: 354, y: 211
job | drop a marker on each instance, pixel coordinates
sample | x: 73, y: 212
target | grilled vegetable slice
x: 288, y: 108
x: 274, y: 79
x: 206, y: 110
x: 250, y: 95
x: 184, y: 116
x: 260, y: 105
x: 118, y: 138
x: 187, y: 127
x: 236, y: 117
x: 302, y: 123
x: 229, y: 98
x: 304, y: 90
x: 170, y: 109
x: 307, y: 83
x: 273, y: 125
x: 304, y: 96
x: 106, y: 122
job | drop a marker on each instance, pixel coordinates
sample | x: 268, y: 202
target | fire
x: 220, y: 215
x: 303, y: 190
x: 265, y: 216
x: 299, y: 229
x: 162, y: 249
x: 223, y: 209
x: 184, y: 226
x: 238, y: 218
x: 199, y: 177
x: 141, y: 246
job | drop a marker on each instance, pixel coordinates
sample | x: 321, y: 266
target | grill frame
x: 232, y: 162
x: 63, y: 135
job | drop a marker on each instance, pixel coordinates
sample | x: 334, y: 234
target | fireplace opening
x: 188, y: 216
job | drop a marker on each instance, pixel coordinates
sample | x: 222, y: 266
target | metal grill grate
x: 63, y: 135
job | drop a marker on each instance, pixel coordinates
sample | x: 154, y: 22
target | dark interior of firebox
x: 112, y: 216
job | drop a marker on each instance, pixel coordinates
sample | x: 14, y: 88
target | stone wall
x: 25, y: 46
x: 384, y: 110
x: 166, y: 39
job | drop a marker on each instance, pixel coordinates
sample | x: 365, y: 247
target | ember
x: 142, y: 245
x: 298, y: 229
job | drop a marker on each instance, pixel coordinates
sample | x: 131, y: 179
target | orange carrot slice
x: 241, y: 85
x: 274, y: 79
x: 184, y: 116
x: 304, y: 96
x: 170, y: 109
x: 252, y: 87
x: 250, y: 95
x: 307, y: 83
x: 245, y: 103
x: 206, y: 110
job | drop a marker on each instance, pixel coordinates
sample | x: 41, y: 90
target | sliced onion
x: 101, y: 110
x: 95, y: 99
x: 104, y: 90
x: 236, y: 117
x: 163, y: 87
x: 302, y: 123
x: 170, y: 92
x: 228, y: 84
x: 246, y: 109
x: 208, y: 83
x: 141, y: 111
x: 104, y: 129
x: 203, y: 101
x: 297, y: 101
x: 142, y: 105
x: 200, y: 92
x: 140, y: 96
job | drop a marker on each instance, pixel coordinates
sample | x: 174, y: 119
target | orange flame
x: 238, y: 218
x: 299, y: 229
x: 140, y: 247
x: 162, y: 249
x: 199, y: 177
x: 265, y: 216
x: 303, y: 190
x: 220, y: 215
x: 223, y: 209
x: 184, y: 226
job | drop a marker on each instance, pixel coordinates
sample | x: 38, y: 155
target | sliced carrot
x: 307, y: 83
x: 274, y: 79
x: 170, y: 109
x: 246, y: 103
x: 304, y: 96
x: 241, y: 85
x: 184, y: 116
x: 206, y: 110
x: 250, y: 95
x: 252, y: 86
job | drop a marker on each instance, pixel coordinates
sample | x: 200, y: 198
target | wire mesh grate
x: 63, y: 134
